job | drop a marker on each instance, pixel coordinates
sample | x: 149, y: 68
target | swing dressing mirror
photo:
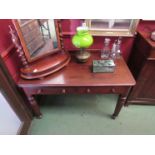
x: 39, y: 37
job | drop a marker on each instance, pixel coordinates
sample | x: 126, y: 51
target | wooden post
x: 20, y: 52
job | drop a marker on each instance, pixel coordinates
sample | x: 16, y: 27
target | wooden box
x: 103, y: 66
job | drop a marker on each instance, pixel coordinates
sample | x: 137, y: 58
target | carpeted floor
x: 90, y: 115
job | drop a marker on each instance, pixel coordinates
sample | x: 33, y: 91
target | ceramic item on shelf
x: 82, y: 39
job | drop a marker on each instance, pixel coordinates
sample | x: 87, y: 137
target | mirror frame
x: 113, y: 32
x: 23, y: 43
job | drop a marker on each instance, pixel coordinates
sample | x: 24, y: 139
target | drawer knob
x: 113, y: 90
x: 88, y: 90
x: 63, y: 91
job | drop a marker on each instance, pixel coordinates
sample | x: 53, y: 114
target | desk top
x: 80, y: 74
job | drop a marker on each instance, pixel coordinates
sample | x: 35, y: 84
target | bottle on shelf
x: 118, y: 47
x: 105, y: 52
x: 113, y: 53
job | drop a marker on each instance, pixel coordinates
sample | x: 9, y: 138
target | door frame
x: 14, y: 98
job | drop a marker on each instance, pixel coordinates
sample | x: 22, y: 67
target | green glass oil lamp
x: 82, y: 39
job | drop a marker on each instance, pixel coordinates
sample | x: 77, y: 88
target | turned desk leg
x: 34, y: 106
x: 121, y: 101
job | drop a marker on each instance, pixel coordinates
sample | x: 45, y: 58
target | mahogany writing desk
x: 78, y: 78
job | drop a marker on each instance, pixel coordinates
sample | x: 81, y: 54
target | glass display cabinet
x: 112, y: 27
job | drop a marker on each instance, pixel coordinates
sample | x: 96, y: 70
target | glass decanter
x: 113, y: 53
x: 105, y: 52
x: 116, y: 51
x: 118, y: 48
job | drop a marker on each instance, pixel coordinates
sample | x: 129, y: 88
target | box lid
x: 103, y: 63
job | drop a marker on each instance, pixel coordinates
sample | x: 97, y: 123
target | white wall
x: 9, y: 122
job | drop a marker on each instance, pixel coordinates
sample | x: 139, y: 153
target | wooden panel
x: 10, y: 58
x: 142, y: 65
x: 142, y: 46
x: 5, y: 53
x: 7, y: 50
x: 136, y: 62
x: 5, y: 38
x: 75, y: 90
x: 145, y: 87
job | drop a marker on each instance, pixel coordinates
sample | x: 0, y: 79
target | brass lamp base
x: 82, y: 56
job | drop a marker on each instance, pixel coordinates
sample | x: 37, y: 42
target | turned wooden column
x: 60, y: 34
x: 15, y: 40
x: 19, y: 48
x: 33, y: 103
x: 34, y: 106
x: 121, y: 102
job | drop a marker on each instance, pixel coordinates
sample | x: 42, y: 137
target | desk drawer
x: 75, y: 90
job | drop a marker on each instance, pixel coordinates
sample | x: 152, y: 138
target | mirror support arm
x: 19, y: 50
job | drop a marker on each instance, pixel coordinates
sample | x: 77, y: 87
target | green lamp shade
x: 82, y: 39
